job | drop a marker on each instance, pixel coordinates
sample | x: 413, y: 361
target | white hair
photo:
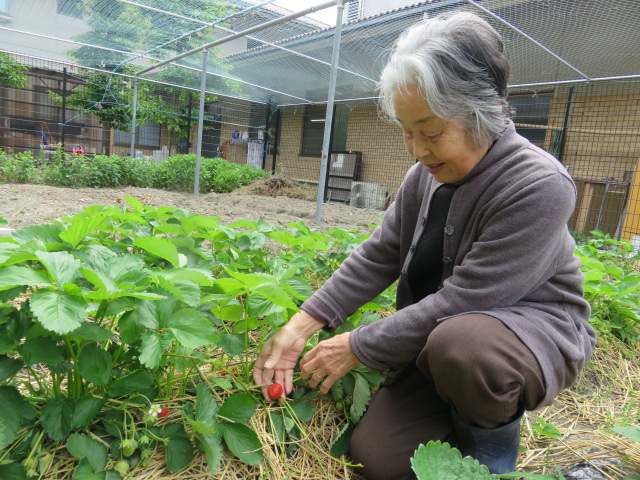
x: 457, y: 61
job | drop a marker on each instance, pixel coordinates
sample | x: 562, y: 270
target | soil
x: 23, y: 204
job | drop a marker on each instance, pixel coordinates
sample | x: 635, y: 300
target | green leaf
x: 361, y: 397
x: 91, y: 332
x: 438, y: 461
x: 57, y: 416
x: 160, y: 247
x: 45, y: 233
x: 212, y: 447
x: 62, y: 266
x: 9, y: 367
x: 632, y: 433
x: 12, y: 471
x: 94, y: 364
x: 303, y: 410
x: 545, y: 428
x: 206, y: 406
x: 259, y: 306
x: 82, y: 446
x: 99, y: 279
x: 233, y: 344
x: 15, y: 276
x: 84, y: 471
x: 203, y: 278
x: 80, y: 228
x: 340, y: 445
x: 10, y: 418
x: 243, y: 442
x: 178, y: 452
x: 184, y: 290
x: 193, y: 329
x: 150, y: 350
x: 229, y: 286
x: 136, y: 382
x: 276, y: 294
x: 41, y: 350
x: 58, y: 312
x: 239, y: 407
x: 86, y: 411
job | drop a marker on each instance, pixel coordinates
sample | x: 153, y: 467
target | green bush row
x: 177, y: 173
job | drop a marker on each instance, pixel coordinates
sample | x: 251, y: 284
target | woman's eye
x: 432, y: 136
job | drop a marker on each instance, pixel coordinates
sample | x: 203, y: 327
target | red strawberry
x: 275, y: 391
x: 164, y: 412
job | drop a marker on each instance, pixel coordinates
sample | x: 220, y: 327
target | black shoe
x: 497, y: 448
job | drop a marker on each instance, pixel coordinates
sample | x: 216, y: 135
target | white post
x: 203, y: 84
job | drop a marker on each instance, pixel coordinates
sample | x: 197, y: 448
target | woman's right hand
x: 279, y: 354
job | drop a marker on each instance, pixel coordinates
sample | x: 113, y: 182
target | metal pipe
x: 133, y: 119
x: 528, y: 37
x: 64, y: 106
x: 243, y: 33
x: 326, y: 141
x: 565, y: 125
x: 203, y: 84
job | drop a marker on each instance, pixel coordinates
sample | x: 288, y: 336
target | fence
x: 593, y: 128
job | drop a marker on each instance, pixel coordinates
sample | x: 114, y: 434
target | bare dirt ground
x: 22, y: 205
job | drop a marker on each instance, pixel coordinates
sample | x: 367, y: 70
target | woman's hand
x: 328, y: 361
x: 280, y: 353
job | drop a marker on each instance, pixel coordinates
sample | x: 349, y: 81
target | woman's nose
x: 420, y: 148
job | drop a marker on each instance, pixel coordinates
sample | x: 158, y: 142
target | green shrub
x: 612, y: 286
x: 17, y: 167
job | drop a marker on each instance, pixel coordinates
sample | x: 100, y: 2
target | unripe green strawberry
x: 275, y: 391
x: 128, y: 446
x: 122, y: 467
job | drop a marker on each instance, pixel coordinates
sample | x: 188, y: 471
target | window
x: 313, y: 130
x: 147, y: 135
x: 531, y: 111
x: 353, y: 11
x: 4, y: 6
x: 71, y: 8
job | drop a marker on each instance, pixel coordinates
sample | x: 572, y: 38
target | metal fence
x: 593, y: 128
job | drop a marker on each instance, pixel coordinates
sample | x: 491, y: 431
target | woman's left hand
x: 328, y: 361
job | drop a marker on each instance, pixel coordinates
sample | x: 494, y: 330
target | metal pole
x: 133, y: 119
x: 565, y: 125
x: 203, y: 84
x: 64, y: 106
x: 326, y: 141
x: 189, y: 110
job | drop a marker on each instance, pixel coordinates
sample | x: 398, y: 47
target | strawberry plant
x: 111, y: 315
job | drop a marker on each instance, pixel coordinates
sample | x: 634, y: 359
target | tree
x: 12, y: 72
x: 129, y: 28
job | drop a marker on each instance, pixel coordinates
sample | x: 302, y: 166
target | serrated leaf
x: 260, y: 306
x: 22, y: 253
x: 150, y: 350
x: 229, y: 286
x: 91, y: 332
x: 212, y: 449
x: 9, y: 367
x: 438, y: 461
x: 206, y: 406
x: 233, y: 344
x: 58, y: 312
x: 192, y: 328
x: 82, y: 446
x: 82, y: 224
x: 94, y: 365
x: 13, y: 471
x: 243, y: 442
x: 62, y: 266
x: 45, y: 233
x: 239, y: 407
x: 276, y: 294
x: 16, y: 276
x: 57, y: 417
x: 178, y: 453
x: 84, y: 471
x: 135, y: 382
x: 184, y: 290
x: 361, y: 397
x: 201, y: 427
x: 87, y: 409
x: 41, y: 350
x: 303, y: 410
x: 340, y: 445
x: 10, y: 418
x: 159, y: 247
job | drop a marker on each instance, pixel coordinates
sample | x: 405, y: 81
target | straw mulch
x: 606, y: 395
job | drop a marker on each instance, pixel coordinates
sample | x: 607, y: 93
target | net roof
x: 288, y: 62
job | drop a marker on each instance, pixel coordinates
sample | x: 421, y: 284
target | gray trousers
x: 472, y: 362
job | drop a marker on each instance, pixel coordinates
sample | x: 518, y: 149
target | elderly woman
x: 491, y: 319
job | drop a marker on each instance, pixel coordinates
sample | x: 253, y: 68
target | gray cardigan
x: 507, y: 253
